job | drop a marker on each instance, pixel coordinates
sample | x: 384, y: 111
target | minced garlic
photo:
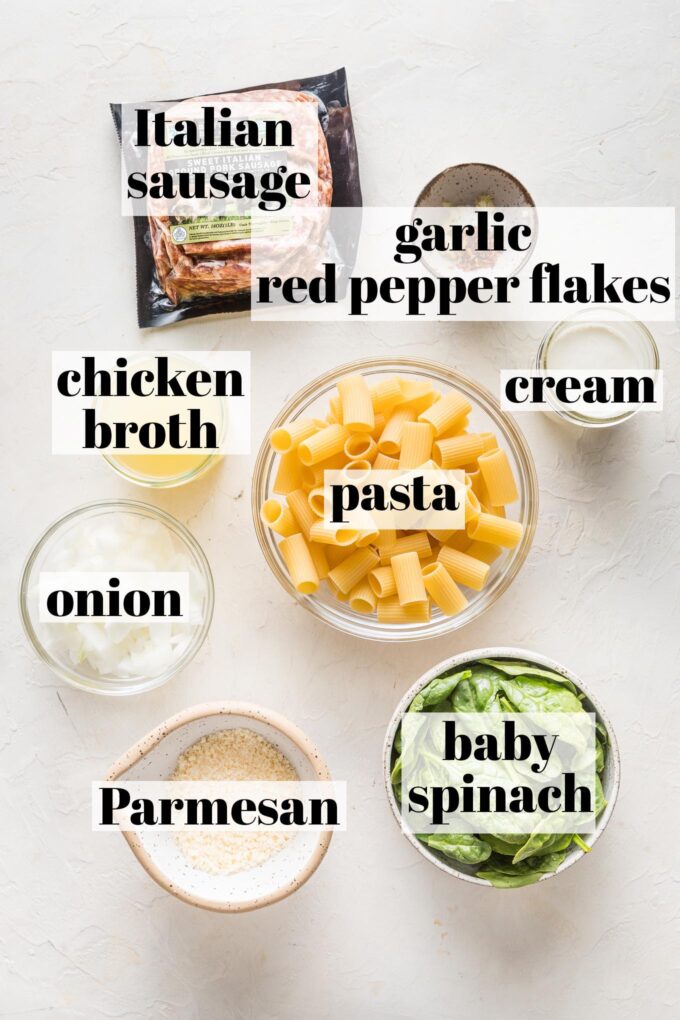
x: 237, y: 755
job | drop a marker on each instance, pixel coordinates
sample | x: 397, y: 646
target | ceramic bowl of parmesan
x: 225, y: 741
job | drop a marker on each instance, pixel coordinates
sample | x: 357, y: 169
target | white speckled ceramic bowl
x: 154, y: 758
x: 610, y: 777
x: 462, y: 185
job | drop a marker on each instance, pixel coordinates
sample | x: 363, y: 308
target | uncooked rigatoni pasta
x: 401, y: 425
x: 356, y: 405
x: 443, y: 590
x: 300, y: 564
x: 499, y: 482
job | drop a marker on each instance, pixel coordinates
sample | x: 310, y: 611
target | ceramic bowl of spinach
x: 507, y: 680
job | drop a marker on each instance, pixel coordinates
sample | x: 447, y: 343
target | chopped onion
x: 122, y: 649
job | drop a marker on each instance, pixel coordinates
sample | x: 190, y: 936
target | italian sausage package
x: 197, y: 174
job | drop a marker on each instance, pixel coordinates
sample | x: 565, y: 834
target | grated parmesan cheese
x: 232, y: 755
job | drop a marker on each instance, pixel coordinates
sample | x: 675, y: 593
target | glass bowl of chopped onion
x: 357, y: 611
x: 117, y: 656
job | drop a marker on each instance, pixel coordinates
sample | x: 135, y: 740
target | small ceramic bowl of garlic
x: 230, y: 742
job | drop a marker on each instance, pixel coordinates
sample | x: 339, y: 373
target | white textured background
x: 580, y: 100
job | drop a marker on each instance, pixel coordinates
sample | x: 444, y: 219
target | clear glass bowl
x: 83, y: 675
x: 166, y: 481
x: 636, y: 335
x: 186, y: 467
x: 486, y: 416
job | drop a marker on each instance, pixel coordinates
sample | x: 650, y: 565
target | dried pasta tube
x: 418, y: 394
x: 301, y: 511
x: 496, y: 531
x: 362, y: 598
x: 360, y: 472
x: 319, y: 559
x: 464, y: 569
x: 391, y: 611
x: 416, y: 444
x: 331, y: 534
x: 495, y: 511
x: 317, y: 501
x: 472, y: 506
x: 366, y: 526
x: 288, y: 474
x: 385, y: 463
x: 312, y: 477
x: 335, y: 407
x: 356, y: 404
x: 385, y: 394
x: 288, y: 437
x: 390, y: 438
x: 457, y: 451
x: 447, y: 412
x: 278, y: 517
x: 322, y: 445
x: 336, y: 553
x: 443, y: 590
x: 498, y: 478
x: 460, y: 541
x: 381, y: 580
x: 360, y: 446
x: 484, y: 552
x: 300, y: 565
x: 490, y: 441
x: 368, y: 536
x: 354, y: 569
x: 417, y: 542
x: 409, y: 578
x: 340, y: 595
x: 476, y: 482
x: 386, y: 536
x: 441, y: 536
x: 460, y: 428
x: 379, y: 425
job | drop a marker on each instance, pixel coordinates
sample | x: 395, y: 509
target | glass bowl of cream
x: 117, y: 656
x: 621, y: 343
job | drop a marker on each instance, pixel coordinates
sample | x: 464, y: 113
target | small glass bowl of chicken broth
x: 578, y: 344
x: 171, y: 462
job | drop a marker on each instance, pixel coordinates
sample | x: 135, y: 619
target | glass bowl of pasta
x: 398, y: 414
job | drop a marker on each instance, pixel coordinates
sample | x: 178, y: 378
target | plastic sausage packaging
x: 191, y: 266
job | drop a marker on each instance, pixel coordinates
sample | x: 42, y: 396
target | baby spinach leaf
x: 500, y: 844
x: 437, y: 691
x: 529, y: 694
x: 502, y: 881
x: 477, y: 692
x: 505, y: 875
x: 541, y: 843
x: 515, y: 668
x: 602, y: 733
x: 463, y: 847
x: 599, y: 756
x: 600, y: 799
